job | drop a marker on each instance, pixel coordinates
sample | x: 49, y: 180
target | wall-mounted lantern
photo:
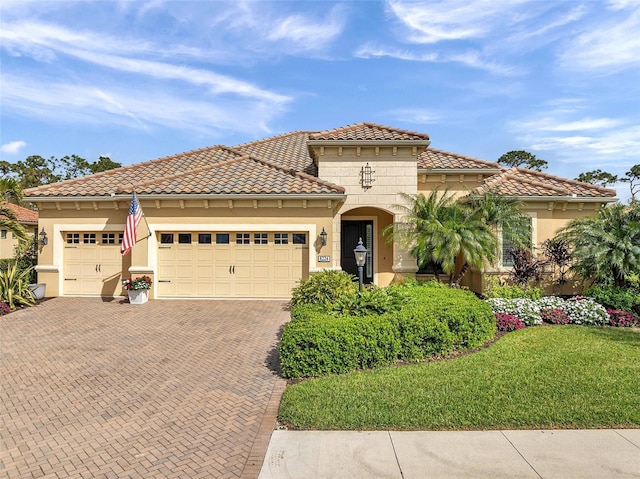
x: 366, y: 176
x: 323, y: 237
x: 44, y: 241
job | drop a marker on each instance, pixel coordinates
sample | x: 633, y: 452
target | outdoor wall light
x: 366, y: 176
x: 360, y: 253
x: 44, y: 241
x: 323, y: 237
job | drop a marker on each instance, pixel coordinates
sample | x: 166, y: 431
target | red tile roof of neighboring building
x: 23, y: 215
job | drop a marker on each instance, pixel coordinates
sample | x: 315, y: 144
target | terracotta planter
x: 138, y: 296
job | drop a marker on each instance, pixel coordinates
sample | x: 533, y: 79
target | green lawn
x: 539, y: 377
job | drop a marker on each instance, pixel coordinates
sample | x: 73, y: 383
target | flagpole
x: 145, y: 221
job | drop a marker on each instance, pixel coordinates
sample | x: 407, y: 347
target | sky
x: 138, y: 80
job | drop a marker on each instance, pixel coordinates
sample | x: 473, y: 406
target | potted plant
x: 138, y: 289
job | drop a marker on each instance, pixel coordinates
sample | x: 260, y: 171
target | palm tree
x: 440, y: 229
x: 607, y: 246
x: 11, y: 191
x: 8, y: 221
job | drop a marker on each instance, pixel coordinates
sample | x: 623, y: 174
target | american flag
x: 131, y: 229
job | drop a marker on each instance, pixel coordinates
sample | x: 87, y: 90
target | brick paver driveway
x: 165, y: 389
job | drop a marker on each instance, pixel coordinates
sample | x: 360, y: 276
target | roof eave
x: 458, y: 171
x: 569, y: 199
x: 424, y: 143
x: 186, y: 196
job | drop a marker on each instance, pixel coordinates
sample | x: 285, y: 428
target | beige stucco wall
x: 188, y: 216
x: 394, y: 171
x: 8, y: 244
x: 456, y: 184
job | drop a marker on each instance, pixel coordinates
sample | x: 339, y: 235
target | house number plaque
x: 324, y: 259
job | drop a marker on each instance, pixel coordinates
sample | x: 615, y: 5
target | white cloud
x: 134, y: 107
x: 472, y: 59
x: 12, y: 147
x: 608, y: 47
x: 418, y: 116
x: 307, y: 33
x: 600, y: 141
x: 432, y: 22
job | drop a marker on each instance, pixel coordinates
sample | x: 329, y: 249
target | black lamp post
x: 361, y: 257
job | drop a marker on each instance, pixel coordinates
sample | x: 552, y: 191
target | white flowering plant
x: 582, y: 310
x: 524, y: 309
x: 579, y: 309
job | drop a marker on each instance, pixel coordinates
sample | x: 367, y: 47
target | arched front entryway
x: 367, y: 223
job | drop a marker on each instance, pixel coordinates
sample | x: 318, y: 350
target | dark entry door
x: 352, y: 231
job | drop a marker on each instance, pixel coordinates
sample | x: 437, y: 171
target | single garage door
x: 93, y: 264
x: 258, y: 264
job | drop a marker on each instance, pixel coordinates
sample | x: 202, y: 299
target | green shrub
x: 316, y: 343
x: 615, y: 297
x: 433, y: 320
x: 14, y: 287
x: 323, y: 288
x: 372, y: 300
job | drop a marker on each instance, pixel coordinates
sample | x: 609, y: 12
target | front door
x: 352, y: 231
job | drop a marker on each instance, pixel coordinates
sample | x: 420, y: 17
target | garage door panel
x: 232, y: 270
x: 93, y: 269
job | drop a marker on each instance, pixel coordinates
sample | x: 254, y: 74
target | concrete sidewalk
x: 562, y: 454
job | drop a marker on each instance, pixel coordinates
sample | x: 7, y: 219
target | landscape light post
x: 361, y: 257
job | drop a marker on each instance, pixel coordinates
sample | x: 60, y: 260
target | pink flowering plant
x: 508, y: 322
x: 622, y: 319
x: 554, y: 316
x: 141, y: 282
x: 4, y: 309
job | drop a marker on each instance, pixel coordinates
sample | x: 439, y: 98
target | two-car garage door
x: 230, y: 264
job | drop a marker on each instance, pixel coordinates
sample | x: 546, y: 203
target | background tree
x: 36, y: 170
x: 598, y: 177
x: 104, y: 163
x: 522, y: 158
x: 633, y: 177
x: 606, y: 247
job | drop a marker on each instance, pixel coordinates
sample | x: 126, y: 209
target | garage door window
x: 166, y: 238
x: 204, y: 238
x: 110, y: 238
x: 282, y: 238
x: 260, y: 238
x: 73, y: 238
x: 242, y: 238
x: 89, y: 238
x: 222, y: 238
x: 299, y: 238
x: 184, y: 238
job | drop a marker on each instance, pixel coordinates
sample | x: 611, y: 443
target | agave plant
x: 14, y: 287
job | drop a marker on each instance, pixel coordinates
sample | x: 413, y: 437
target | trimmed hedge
x: 434, y: 321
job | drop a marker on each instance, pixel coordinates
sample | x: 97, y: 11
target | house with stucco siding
x: 252, y: 220
x: 8, y: 241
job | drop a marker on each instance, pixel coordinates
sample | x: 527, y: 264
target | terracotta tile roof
x: 438, y: 159
x: 523, y: 182
x: 105, y: 183
x: 23, y: 215
x: 368, y: 131
x: 243, y: 175
x: 288, y: 150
